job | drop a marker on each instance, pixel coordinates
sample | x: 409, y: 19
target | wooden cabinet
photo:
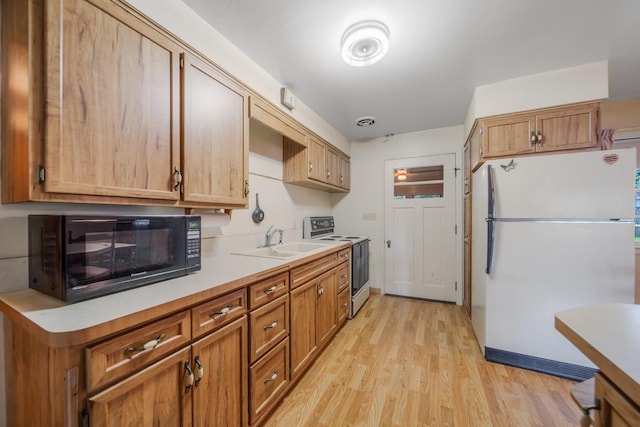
x: 216, y: 136
x: 268, y: 354
x: 92, y: 111
x: 344, y: 302
x: 202, y: 384
x: 615, y: 408
x: 466, y: 299
x: 272, y: 117
x: 220, y: 395
x: 314, y: 310
x: 344, y: 168
x: 326, y: 306
x: 554, y: 129
x: 153, y: 396
x: 318, y: 165
x: 304, y: 341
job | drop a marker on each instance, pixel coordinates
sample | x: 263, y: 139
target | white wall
x: 367, y: 183
x: 569, y: 85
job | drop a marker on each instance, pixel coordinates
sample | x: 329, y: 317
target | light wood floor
x: 402, y: 362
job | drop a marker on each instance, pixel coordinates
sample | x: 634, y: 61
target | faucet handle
x: 281, y: 231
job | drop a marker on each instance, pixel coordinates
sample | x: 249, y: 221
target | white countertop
x: 57, y: 317
x: 609, y: 335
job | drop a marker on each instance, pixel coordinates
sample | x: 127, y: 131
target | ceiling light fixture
x: 365, y: 43
x: 366, y: 121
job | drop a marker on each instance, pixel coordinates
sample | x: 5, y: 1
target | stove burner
x: 337, y: 237
x: 352, y: 237
x: 327, y: 238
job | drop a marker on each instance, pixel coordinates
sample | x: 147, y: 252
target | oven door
x: 359, y: 266
x: 104, y: 255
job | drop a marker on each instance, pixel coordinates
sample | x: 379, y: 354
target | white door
x: 420, y: 256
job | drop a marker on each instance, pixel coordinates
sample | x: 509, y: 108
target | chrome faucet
x: 269, y: 235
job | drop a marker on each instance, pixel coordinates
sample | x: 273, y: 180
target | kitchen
x: 285, y: 205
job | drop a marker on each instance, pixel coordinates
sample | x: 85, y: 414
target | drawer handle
x: 188, y: 377
x: 344, y: 276
x: 199, y: 371
x: 272, y: 325
x: 344, y: 304
x: 217, y: 314
x: 344, y: 256
x: 271, y: 290
x: 149, y: 345
x: 272, y: 377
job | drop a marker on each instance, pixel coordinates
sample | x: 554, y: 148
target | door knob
x: 388, y: 243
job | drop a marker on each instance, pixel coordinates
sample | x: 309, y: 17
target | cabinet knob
x: 328, y: 173
x: 199, y: 371
x: 272, y: 377
x: 271, y: 290
x: 539, y: 138
x: 271, y: 325
x: 216, y: 314
x: 177, y: 177
x: 310, y: 166
x: 188, y: 377
x: 149, y: 345
x: 533, y: 139
x: 388, y: 243
x: 246, y: 187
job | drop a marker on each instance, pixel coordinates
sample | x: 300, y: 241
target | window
x: 425, y: 182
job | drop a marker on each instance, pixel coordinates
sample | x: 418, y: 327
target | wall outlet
x: 369, y: 216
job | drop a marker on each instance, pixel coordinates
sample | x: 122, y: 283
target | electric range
x: 323, y: 228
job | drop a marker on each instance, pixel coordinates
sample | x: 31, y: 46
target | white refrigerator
x: 549, y: 233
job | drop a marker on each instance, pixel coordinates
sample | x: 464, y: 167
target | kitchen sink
x: 285, y: 251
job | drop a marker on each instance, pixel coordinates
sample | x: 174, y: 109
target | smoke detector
x: 366, y: 121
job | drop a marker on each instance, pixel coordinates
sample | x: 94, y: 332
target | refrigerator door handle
x: 491, y: 208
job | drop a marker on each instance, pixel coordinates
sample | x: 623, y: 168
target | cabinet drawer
x: 268, y: 290
x: 132, y: 351
x: 344, y: 276
x: 268, y: 379
x: 344, y: 255
x: 344, y: 302
x: 306, y: 272
x: 217, y: 312
x: 267, y: 326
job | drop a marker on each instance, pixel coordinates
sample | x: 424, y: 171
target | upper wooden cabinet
x: 92, y: 111
x: 216, y: 136
x: 319, y: 165
x: 275, y: 119
x: 562, y: 128
x: 309, y: 160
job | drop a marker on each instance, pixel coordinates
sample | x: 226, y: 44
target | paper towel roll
x: 212, y: 223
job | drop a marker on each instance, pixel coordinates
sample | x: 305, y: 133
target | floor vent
x: 538, y: 364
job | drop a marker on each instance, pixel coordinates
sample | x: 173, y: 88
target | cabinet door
x: 333, y: 168
x: 154, y: 396
x: 216, y: 136
x: 476, y: 145
x: 220, y: 397
x: 304, y: 343
x: 112, y: 104
x: 344, y: 180
x: 567, y: 129
x: 615, y: 408
x: 327, y: 313
x: 508, y: 136
x: 317, y: 152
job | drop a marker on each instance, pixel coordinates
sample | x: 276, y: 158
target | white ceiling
x: 439, y: 51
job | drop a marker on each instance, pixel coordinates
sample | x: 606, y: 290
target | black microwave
x: 75, y: 258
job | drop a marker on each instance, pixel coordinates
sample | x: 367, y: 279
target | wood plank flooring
x: 403, y: 362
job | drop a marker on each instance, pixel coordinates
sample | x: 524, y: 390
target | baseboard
x: 538, y: 364
x: 375, y: 291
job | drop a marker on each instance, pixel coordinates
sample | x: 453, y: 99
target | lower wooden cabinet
x: 268, y: 380
x: 201, y: 385
x: 326, y: 312
x: 220, y: 389
x: 304, y: 341
x: 615, y: 408
x: 154, y: 396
